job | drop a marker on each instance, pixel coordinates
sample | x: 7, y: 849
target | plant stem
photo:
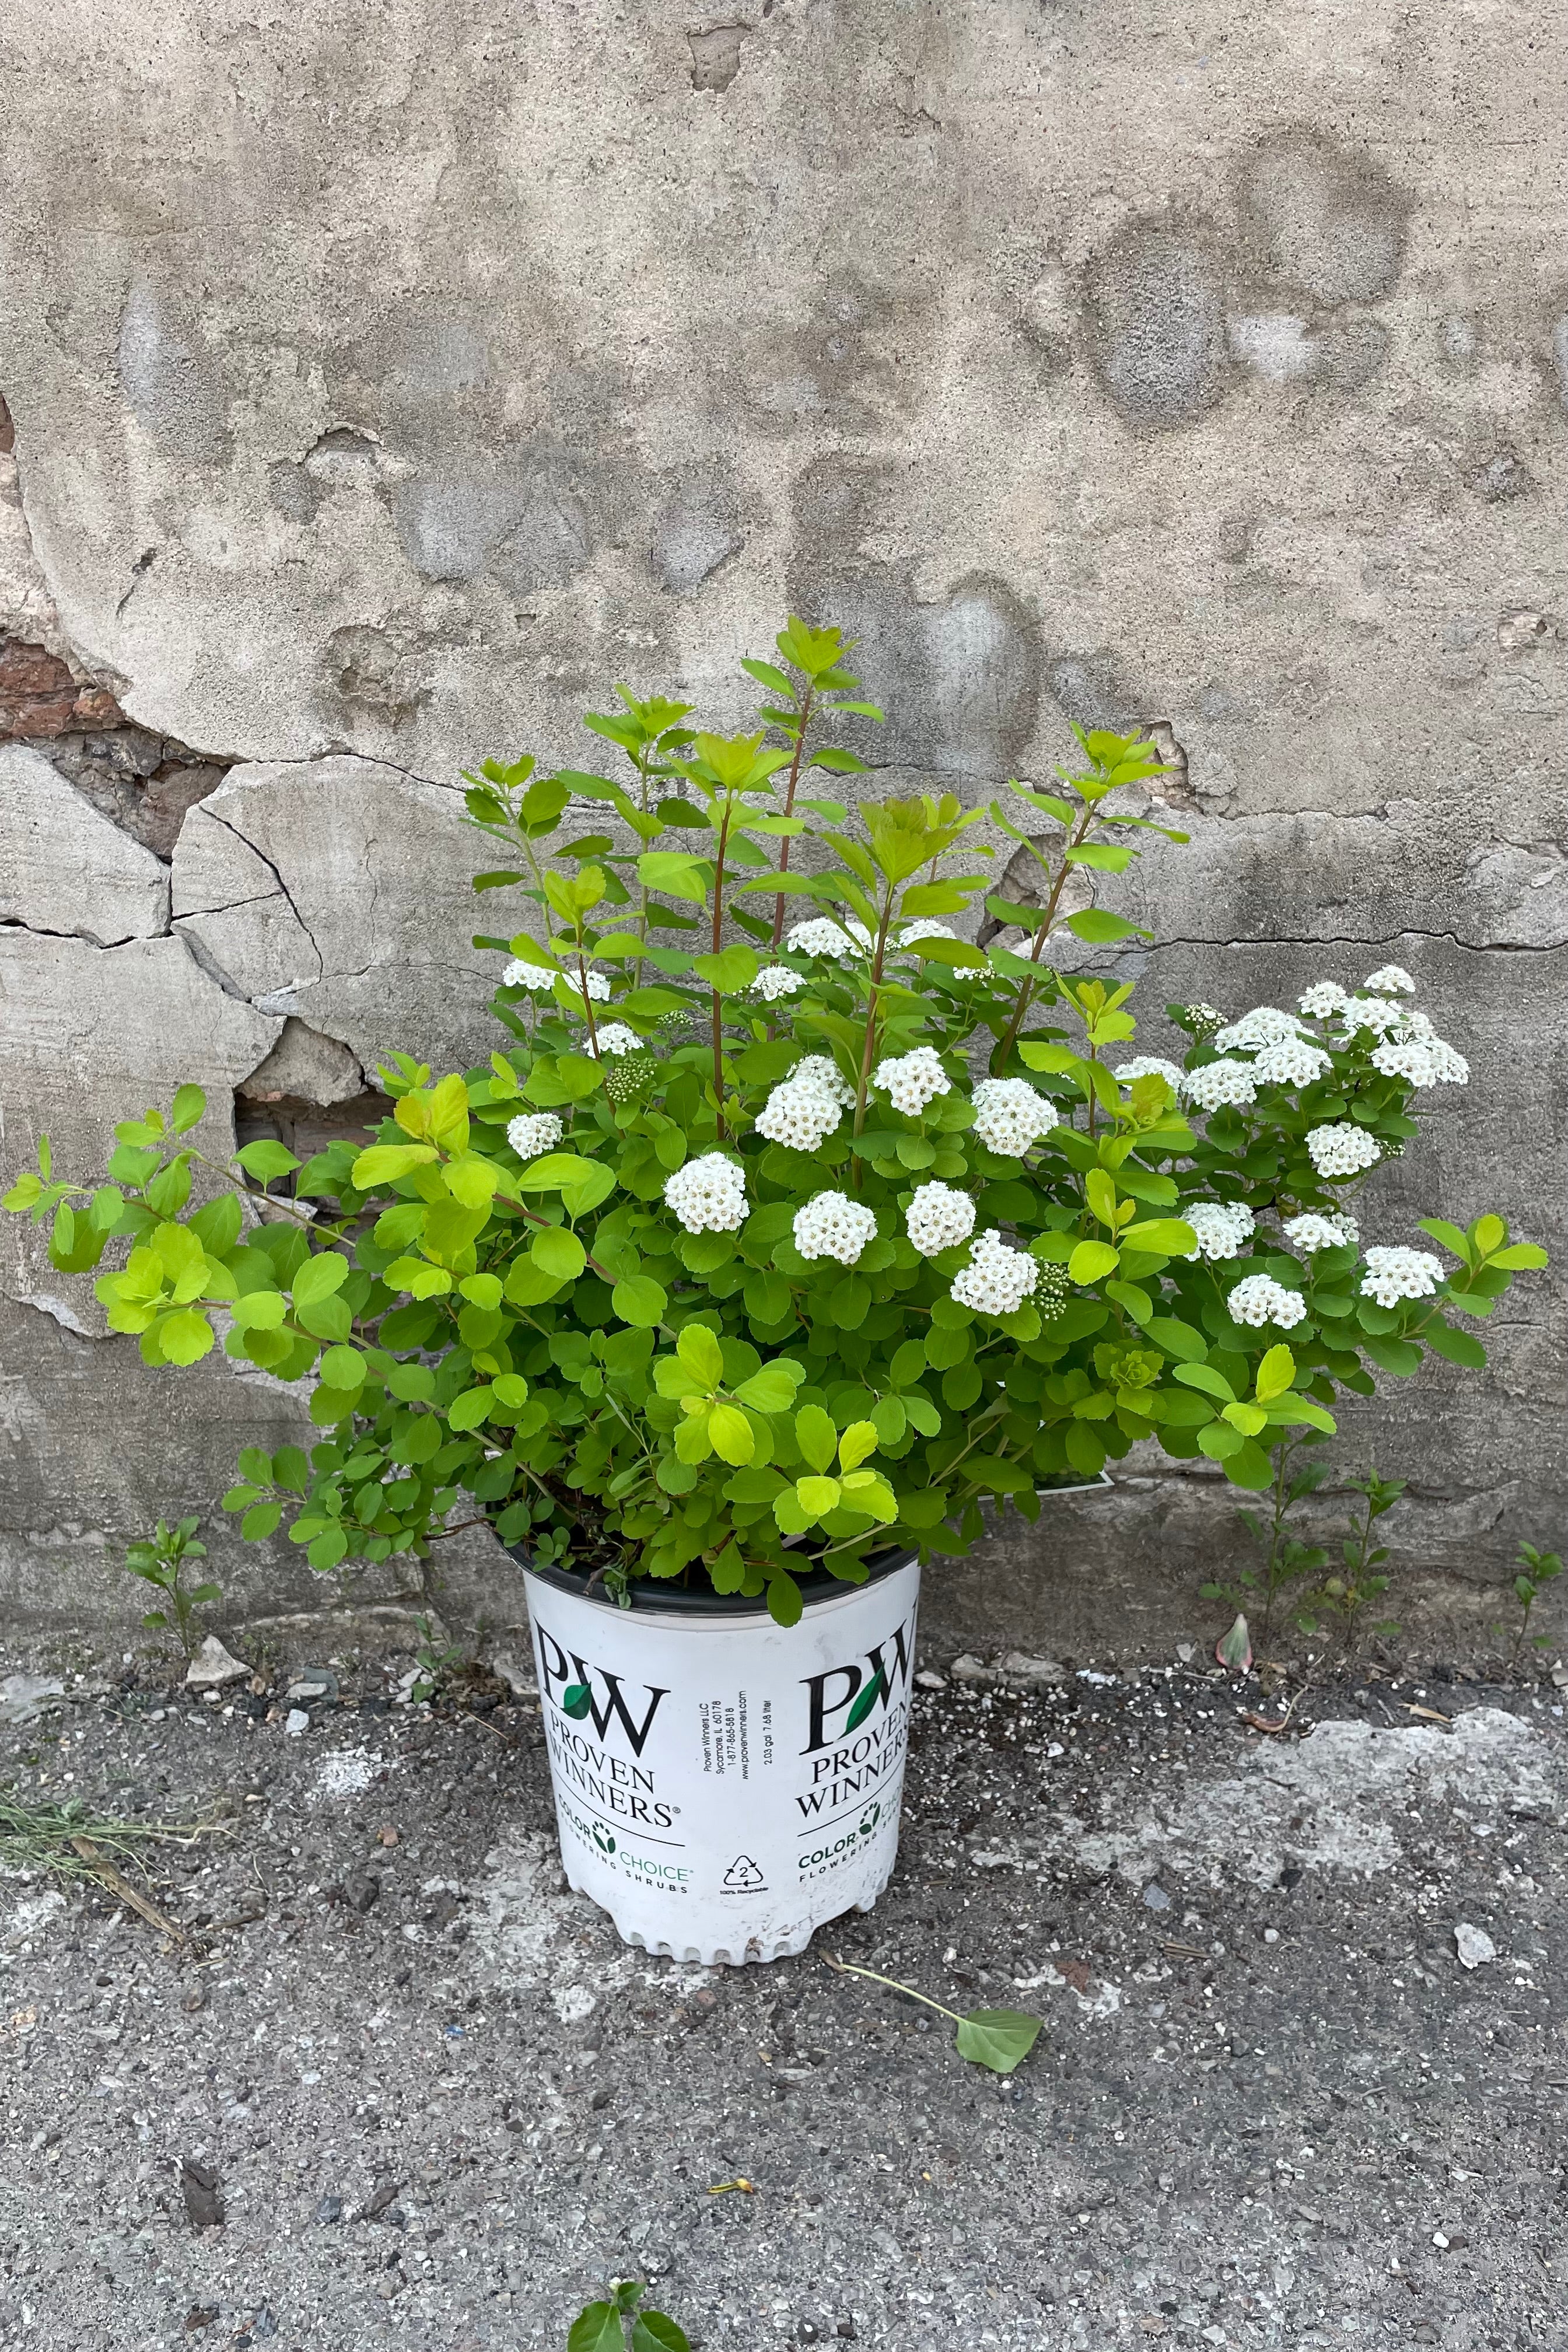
x: 805, y: 709
x: 717, y: 940
x: 1026, y: 993
x: 847, y: 1967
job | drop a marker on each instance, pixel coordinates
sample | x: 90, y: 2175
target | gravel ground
x: 437, y: 2104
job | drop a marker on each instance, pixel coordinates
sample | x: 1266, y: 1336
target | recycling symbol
x: 744, y: 1877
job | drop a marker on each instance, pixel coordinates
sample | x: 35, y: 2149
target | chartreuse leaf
x: 699, y: 1350
x: 996, y: 2039
x: 817, y: 1436
x: 1275, y: 1374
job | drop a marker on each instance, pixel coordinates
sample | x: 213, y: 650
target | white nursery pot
x: 724, y: 1785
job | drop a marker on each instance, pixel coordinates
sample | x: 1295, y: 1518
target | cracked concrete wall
x: 380, y: 386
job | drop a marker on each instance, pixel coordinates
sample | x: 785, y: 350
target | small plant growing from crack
x: 617, y: 2324
x: 998, y: 2039
x: 162, y: 1559
x: 1534, y: 1571
x: 1345, y: 1597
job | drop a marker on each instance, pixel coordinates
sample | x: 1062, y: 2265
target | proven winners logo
x: 581, y: 1694
x: 857, y: 1717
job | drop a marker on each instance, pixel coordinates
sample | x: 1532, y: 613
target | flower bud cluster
x: 533, y: 1131
x: 912, y: 1080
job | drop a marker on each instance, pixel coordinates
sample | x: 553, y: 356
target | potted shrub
x: 785, y: 1230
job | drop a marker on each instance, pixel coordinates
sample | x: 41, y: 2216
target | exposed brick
x: 40, y: 699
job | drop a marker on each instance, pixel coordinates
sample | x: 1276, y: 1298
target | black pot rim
x: 655, y: 1597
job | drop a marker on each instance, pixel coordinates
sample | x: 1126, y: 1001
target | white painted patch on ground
x: 350, y: 1771
x: 526, y: 1932
x: 1347, y: 1797
x: 31, y: 1918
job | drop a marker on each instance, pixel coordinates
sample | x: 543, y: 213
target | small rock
x: 1271, y: 1934
x: 363, y: 1889
x: 1155, y: 1897
x: 203, y: 2195
x: 970, y: 1669
x: 22, y: 1695
x: 386, y: 1834
x: 1186, y: 1652
x: 1020, y: 1667
x: 331, y: 2208
x: 929, y: 1679
x: 516, y: 1672
x: 310, y: 1686
x: 213, y: 1667
x: 1474, y: 1945
x: 1087, y: 1675
x: 1560, y: 1676
x: 296, y: 1723
x: 200, y: 2315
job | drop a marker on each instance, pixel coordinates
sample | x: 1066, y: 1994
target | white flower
x: 805, y: 1107
x: 1224, y: 1228
x: 1010, y: 1115
x: 708, y: 1195
x: 1423, y: 1061
x: 776, y: 980
x: 1323, y: 998
x: 1150, y: 1066
x: 912, y: 1080
x: 541, y: 978
x: 1221, y: 1082
x: 997, y: 1280
x: 823, y: 936
x: 1412, y: 1022
x: 925, y: 928
x: 616, y: 1038
x: 1264, y: 1025
x: 833, y: 1225
x: 1341, y: 1150
x: 940, y: 1217
x: 1389, y: 980
x: 1261, y: 1299
x: 1202, y: 1016
x: 1395, y: 1274
x: 1312, y: 1232
x: 1373, y: 1013
x: 533, y: 1131
x: 1294, y: 1062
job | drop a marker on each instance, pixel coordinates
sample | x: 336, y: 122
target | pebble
x: 296, y: 1723
x: 1474, y: 1945
x: 929, y: 1679
x: 970, y: 1669
x: 331, y: 2208
x: 214, y: 1668
x: 1019, y: 1667
x: 1155, y: 1897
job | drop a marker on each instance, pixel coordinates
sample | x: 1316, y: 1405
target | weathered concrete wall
x: 385, y: 381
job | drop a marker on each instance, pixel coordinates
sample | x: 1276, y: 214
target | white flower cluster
x: 1389, y: 980
x: 776, y: 980
x: 806, y: 1106
x: 708, y: 1195
x: 1395, y: 1274
x: 616, y: 1038
x: 1010, y: 1115
x: 997, y: 1280
x: 1375, y: 1013
x: 533, y: 1131
x: 1224, y: 1228
x: 541, y: 979
x: 1261, y: 1299
x: 833, y: 1225
x: 1422, y: 1062
x: 1311, y: 1231
x: 1264, y: 1025
x: 925, y: 927
x: 1341, y: 1150
x: 1150, y: 1066
x: 1293, y: 1062
x: 1203, y: 1018
x: 940, y: 1217
x: 912, y: 1080
x: 823, y: 936
x: 1218, y: 1082
x: 1322, y: 999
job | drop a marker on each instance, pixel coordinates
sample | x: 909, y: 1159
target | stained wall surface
x: 385, y: 381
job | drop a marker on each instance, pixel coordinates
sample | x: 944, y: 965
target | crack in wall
x: 272, y: 867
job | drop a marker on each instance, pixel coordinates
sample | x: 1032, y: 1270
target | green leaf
x: 558, y: 1254
x: 1459, y: 1347
x: 728, y: 972
x: 817, y: 1436
x: 1452, y: 1239
x: 190, y: 1104
x: 267, y: 1159
x: 185, y: 1337
x: 766, y: 675
x: 786, y: 1606
x: 699, y: 1352
x: 774, y: 1388
x: 598, y: 2328
x: 385, y: 1164
x: 639, y: 1300
x: 472, y: 1407
x: 1169, y: 1236
x: 857, y: 1444
x: 260, y: 1520
x: 817, y: 1495
x: 730, y: 1435
x: 1098, y: 927
x: 1522, y: 1255
x: 1092, y: 1261
x: 1396, y: 1356
x: 320, y: 1277
x: 675, y: 873
x: 1205, y: 1377
x: 1275, y: 1374
x: 654, y: 2331
x: 999, y: 2039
